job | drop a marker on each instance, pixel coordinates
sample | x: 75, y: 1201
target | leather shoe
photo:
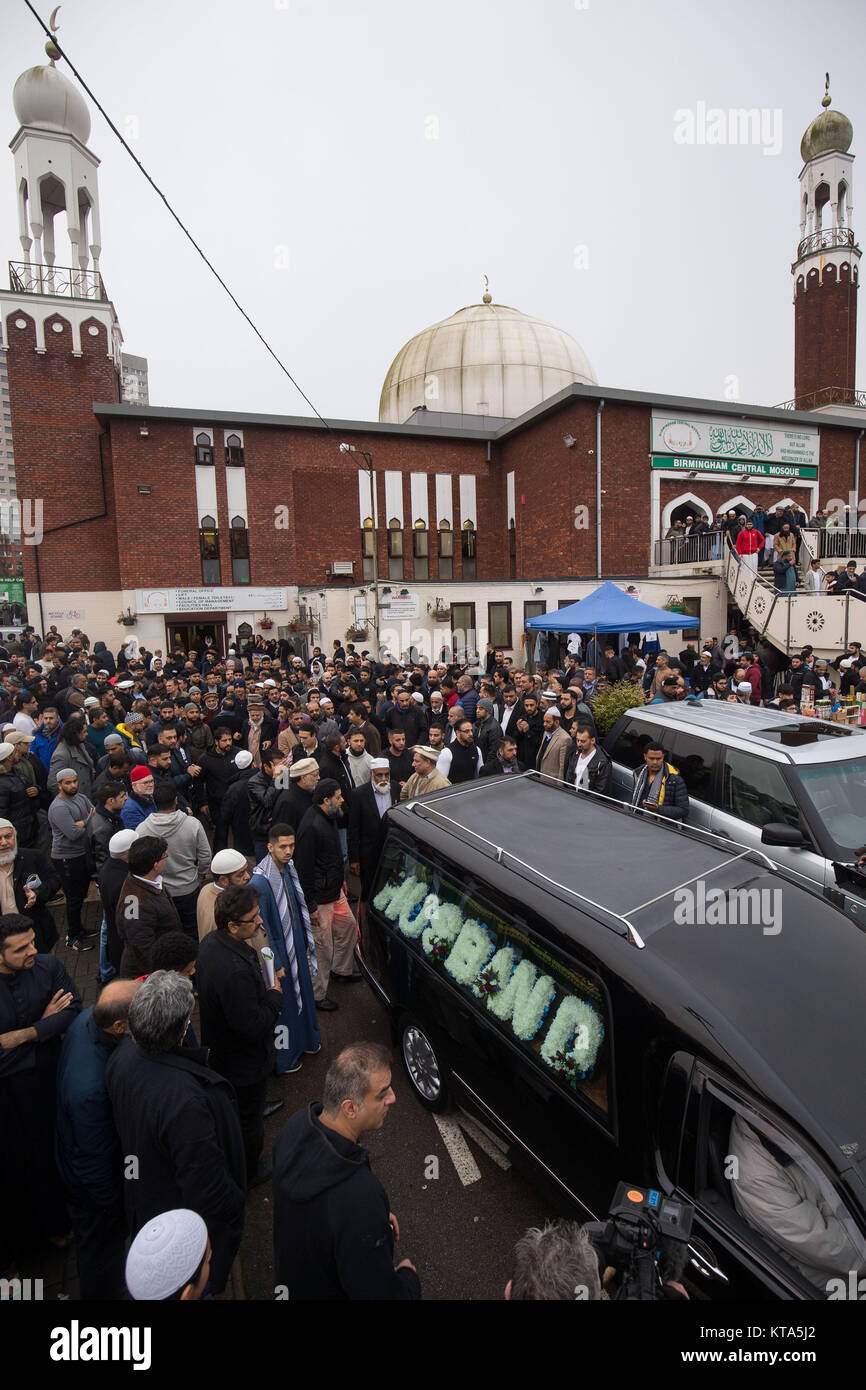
x: 326, y: 1006
x: 347, y: 979
x: 272, y: 1106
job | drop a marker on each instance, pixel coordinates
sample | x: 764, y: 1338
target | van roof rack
x: 425, y: 808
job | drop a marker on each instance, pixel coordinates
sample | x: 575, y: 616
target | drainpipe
x: 598, y: 489
x: 857, y: 471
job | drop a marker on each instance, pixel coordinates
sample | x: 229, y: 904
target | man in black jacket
x: 295, y: 800
x: 263, y: 789
x: 179, y: 1120
x: 367, y: 823
x: 110, y: 880
x: 109, y: 799
x: 503, y: 762
x: 238, y: 1015
x: 236, y: 806
x: 219, y: 771
x: 588, y: 766
x: 530, y: 731
x: 321, y: 870
x: 658, y: 787
x: 334, y: 1231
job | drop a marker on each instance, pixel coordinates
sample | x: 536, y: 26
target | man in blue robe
x: 290, y: 936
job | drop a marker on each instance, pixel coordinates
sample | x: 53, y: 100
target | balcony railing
x: 689, y: 550
x: 66, y: 280
x: 837, y: 543
x: 827, y: 239
x: 827, y: 395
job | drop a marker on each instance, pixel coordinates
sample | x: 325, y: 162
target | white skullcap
x: 165, y: 1255
x: 6, y: 825
x: 555, y: 711
x: 378, y: 764
x: 120, y: 842
x: 416, y: 695
x: 744, y: 688
x: 227, y: 861
x: 243, y: 759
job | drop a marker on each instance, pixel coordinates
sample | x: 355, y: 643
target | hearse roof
x: 782, y: 1007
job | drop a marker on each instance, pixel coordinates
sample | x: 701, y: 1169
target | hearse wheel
x: 423, y: 1067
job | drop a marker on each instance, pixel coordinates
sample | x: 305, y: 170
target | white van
x: 793, y: 787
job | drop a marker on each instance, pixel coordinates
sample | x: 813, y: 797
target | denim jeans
x: 106, y: 969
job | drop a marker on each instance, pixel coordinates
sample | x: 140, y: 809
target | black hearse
x: 612, y: 994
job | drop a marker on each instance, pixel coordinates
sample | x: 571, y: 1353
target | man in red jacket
x: 749, y: 544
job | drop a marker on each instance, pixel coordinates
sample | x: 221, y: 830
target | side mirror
x: 787, y: 836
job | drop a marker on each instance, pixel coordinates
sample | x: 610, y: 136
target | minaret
x: 826, y: 271
x: 63, y: 343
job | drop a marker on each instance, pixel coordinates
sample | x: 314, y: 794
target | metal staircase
x: 826, y: 622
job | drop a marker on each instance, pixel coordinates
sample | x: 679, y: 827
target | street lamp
x: 352, y: 449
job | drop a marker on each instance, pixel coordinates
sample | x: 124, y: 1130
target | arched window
x: 822, y: 198
x: 421, y: 550
x: 395, y: 549
x: 203, y: 448
x: 234, y: 451
x: 446, y: 550
x: 240, y: 548
x: 842, y: 205
x: 209, y: 547
x: 468, y: 547
x: 368, y: 548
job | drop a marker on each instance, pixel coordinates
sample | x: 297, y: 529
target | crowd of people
x: 223, y: 807
x: 767, y: 539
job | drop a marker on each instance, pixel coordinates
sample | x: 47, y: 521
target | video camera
x: 645, y: 1239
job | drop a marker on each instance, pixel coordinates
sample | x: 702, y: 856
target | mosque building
x: 499, y: 482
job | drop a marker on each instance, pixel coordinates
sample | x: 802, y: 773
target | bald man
x: 89, y: 1159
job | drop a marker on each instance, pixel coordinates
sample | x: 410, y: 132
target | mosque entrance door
x: 189, y: 633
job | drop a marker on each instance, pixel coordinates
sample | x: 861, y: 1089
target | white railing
x: 689, y: 550
x: 827, y: 622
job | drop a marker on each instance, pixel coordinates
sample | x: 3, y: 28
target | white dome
x: 486, y: 359
x: 43, y: 97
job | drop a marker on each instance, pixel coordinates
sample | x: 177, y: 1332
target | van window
x: 756, y: 791
x: 778, y: 1198
x: 694, y: 759
x: 557, y: 1014
x: 629, y: 746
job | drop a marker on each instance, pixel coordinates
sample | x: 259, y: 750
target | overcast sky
x: 353, y: 170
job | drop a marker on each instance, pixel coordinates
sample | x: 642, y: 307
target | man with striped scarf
x: 290, y: 936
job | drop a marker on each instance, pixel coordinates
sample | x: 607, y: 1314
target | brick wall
x: 56, y: 450
x: 825, y: 329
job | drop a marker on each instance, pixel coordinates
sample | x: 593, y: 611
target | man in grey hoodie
x: 189, y: 853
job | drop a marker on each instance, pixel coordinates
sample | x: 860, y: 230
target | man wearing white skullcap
x: 110, y: 880
x: 228, y: 867
x: 169, y: 1258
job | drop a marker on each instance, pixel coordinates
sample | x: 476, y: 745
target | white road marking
x: 452, y: 1137
x: 490, y: 1143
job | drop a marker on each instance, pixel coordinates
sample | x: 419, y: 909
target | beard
x: 8, y: 858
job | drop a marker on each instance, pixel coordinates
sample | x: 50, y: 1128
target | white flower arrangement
x: 443, y: 931
x: 578, y: 1020
x: 384, y: 896
x: 524, y: 1001
x: 495, y: 975
x: 411, y: 909
x: 470, y: 952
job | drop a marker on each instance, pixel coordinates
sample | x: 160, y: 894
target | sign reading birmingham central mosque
x: 709, y: 443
